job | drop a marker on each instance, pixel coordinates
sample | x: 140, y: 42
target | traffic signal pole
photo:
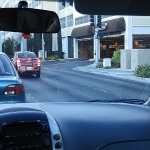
x: 96, y: 24
x: 96, y: 41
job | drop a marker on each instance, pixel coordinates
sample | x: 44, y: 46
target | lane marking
x: 103, y: 91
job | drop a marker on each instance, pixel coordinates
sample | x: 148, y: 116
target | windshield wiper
x: 129, y: 101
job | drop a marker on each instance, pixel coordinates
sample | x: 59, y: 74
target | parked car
x: 11, y: 85
x: 27, y: 63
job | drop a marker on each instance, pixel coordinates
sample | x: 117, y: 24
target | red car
x: 27, y: 63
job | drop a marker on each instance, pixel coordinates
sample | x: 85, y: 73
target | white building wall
x: 141, y: 25
x: 141, y: 30
x: 68, y: 30
x: 51, y: 6
x: 64, y: 13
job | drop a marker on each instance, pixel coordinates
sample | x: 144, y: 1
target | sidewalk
x: 126, y: 74
x: 68, y: 59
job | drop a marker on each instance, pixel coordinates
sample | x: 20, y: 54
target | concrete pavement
x: 127, y: 74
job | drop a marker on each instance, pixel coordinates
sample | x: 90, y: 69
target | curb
x: 122, y: 75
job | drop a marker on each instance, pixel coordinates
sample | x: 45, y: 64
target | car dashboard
x: 74, y: 126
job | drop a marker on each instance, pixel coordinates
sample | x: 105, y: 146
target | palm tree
x: 7, y: 47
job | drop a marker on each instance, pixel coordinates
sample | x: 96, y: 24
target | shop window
x: 147, y: 45
x: 70, y: 21
x: 63, y: 22
x: 120, y: 46
x: 82, y: 19
x: 112, y: 46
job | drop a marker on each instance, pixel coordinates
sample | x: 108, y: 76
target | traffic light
x: 63, y: 2
x: 70, y: 2
x: 101, y: 35
x: 92, y: 20
x: 99, y: 21
x: 23, y: 4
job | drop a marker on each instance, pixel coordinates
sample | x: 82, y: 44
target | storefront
x: 112, y: 38
x: 141, y: 41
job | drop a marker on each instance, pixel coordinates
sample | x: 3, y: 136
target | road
x: 60, y: 83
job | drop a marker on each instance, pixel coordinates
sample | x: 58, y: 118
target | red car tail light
x: 18, y: 62
x: 39, y: 62
x: 14, y: 90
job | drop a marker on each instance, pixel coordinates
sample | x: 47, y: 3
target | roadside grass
x: 99, y: 65
x: 52, y: 57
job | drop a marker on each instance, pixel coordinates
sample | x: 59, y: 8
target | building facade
x: 124, y: 32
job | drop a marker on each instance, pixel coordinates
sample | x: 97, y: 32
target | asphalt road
x: 60, y: 83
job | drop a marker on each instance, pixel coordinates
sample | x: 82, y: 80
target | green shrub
x: 99, y: 65
x: 52, y: 57
x: 115, y: 60
x: 116, y: 55
x: 115, y: 64
x: 107, y: 67
x: 143, y: 71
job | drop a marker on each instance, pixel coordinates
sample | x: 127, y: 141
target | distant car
x: 11, y: 85
x: 27, y: 63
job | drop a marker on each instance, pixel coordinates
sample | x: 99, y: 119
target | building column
x: 24, y: 45
x: 75, y: 42
x: 128, y: 41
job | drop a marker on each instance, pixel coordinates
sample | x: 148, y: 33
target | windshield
x: 26, y: 55
x: 92, y: 57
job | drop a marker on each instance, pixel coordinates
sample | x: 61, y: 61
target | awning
x: 115, y: 25
x: 85, y: 31
x: 110, y: 27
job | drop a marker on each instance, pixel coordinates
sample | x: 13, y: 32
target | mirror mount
x: 23, y: 4
x: 26, y: 35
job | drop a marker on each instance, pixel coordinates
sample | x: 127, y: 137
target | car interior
x: 95, y: 125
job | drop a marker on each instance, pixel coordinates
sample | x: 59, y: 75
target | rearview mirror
x: 28, y: 20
